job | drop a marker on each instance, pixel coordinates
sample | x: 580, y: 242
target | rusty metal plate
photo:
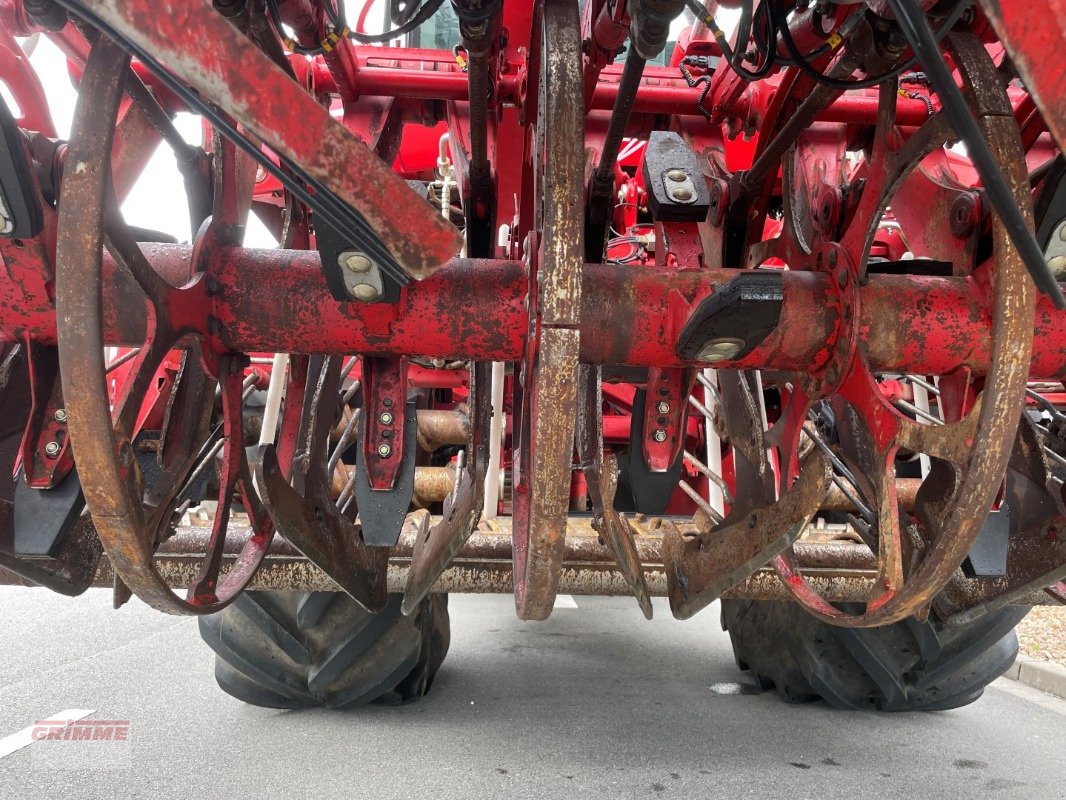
x: 700, y: 568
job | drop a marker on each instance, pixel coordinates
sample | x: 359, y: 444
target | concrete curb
x: 1047, y: 676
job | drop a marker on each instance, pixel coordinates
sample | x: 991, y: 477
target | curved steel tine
x: 314, y: 526
x: 436, y: 547
x: 601, y: 476
x: 700, y: 568
x: 310, y: 521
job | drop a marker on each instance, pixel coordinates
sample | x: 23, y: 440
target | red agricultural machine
x: 585, y: 297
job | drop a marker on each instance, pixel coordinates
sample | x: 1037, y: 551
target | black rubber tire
x: 307, y: 649
x: 908, y: 666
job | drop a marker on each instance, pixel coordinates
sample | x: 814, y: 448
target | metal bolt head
x: 384, y: 450
x: 663, y: 408
x: 356, y: 262
x: 682, y: 194
x: 720, y: 350
x: 52, y: 449
x: 1057, y: 265
x: 659, y: 435
x: 677, y: 175
x: 61, y: 415
x: 386, y: 417
x: 364, y: 291
x: 1062, y: 231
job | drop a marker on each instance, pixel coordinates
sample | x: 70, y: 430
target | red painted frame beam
x: 277, y: 300
x: 434, y: 75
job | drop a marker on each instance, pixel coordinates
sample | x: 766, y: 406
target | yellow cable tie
x: 834, y: 41
x: 291, y: 44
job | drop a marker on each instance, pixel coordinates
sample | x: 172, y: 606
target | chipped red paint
x: 277, y: 301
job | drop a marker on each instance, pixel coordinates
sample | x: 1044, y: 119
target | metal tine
x: 702, y: 503
x: 347, y: 493
x: 347, y: 370
x: 349, y: 393
x: 718, y: 480
x: 864, y: 509
x: 930, y: 418
x: 122, y: 359
x: 347, y: 437
x: 709, y: 387
x: 811, y: 432
x: 198, y: 470
x: 701, y: 408
x: 927, y: 385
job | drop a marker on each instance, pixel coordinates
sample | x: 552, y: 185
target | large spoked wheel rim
x: 103, y: 439
x: 971, y: 453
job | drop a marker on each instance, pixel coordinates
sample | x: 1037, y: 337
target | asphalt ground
x: 595, y: 702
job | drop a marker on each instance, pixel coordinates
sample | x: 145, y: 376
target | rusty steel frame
x: 552, y: 315
x: 844, y: 571
x: 473, y: 309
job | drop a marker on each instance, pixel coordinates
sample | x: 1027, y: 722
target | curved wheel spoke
x: 968, y: 446
x: 131, y: 506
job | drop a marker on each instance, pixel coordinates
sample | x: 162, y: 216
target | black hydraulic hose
x: 602, y: 184
x: 912, y: 21
x: 301, y: 184
x: 477, y: 75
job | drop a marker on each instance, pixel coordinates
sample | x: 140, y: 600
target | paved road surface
x: 593, y: 703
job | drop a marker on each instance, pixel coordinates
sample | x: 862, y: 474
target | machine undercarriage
x: 595, y: 298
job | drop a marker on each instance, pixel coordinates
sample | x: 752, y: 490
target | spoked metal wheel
x: 968, y: 447
x: 132, y: 513
x: 969, y: 451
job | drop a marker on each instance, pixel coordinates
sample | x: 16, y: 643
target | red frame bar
x: 277, y: 301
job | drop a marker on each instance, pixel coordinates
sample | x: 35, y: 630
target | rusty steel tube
x: 436, y: 427
x: 841, y: 571
x: 906, y: 491
x: 277, y: 301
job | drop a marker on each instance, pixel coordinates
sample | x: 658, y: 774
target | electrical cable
x: 912, y: 21
x: 341, y: 30
x: 723, y: 42
x: 425, y: 11
x: 780, y: 16
x: 308, y: 189
x: 328, y: 42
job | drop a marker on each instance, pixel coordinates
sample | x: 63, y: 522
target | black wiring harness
x: 768, y: 24
x: 303, y: 186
